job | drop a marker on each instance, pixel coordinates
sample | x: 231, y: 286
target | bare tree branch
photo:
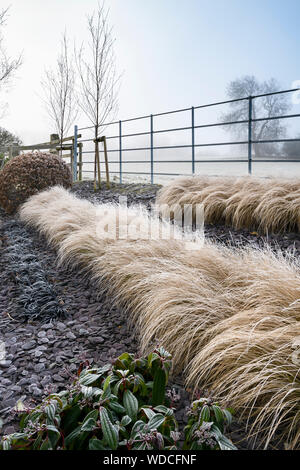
x: 97, y: 74
x: 59, y: 90
x: 8, y: 65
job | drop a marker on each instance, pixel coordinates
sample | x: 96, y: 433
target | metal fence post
x: 75, y: 153
x: 193, y: 140
x: 151, y: 147
x: 80, y: 161
x: 120, y: 150
x: 250, y: 99
x: 15, y: 149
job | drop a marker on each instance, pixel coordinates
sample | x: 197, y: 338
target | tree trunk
x: 97, y: 162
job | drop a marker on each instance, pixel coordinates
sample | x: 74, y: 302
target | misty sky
x: 172, y: 53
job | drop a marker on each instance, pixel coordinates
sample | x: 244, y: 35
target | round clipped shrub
x: 29, y: 173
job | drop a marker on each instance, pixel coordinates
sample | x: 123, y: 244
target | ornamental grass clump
x: 257, y: 368
x: 265, y: 204
x: 123, y: 405
x: 29, y: 173
x: 190, y: 301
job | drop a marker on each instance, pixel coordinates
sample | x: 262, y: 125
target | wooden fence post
x: 53, y: 139
x: 97, y: 165
x: 15, y: 149
x: 106, y: 162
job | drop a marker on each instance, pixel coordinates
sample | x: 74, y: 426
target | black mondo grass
x: 32, y: 295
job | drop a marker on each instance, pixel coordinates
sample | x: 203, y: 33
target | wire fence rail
x: 65, y: 148
x: 120, y: 137
x: 76, y: 145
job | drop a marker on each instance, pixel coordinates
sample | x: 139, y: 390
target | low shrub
x: 123, y: 405
x: 206, y: 425
x: 29, y: 173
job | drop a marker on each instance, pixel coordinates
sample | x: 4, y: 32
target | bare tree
x: 98, y: 77
x: 8, y: 65
x: 267, y: 106
x: 59, y: 90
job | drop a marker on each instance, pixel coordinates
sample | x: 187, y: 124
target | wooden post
x: 103, y: 139
x: 53, y: 140
x: 15, y: 149
x: 95, y: 170
x: 97, y: 165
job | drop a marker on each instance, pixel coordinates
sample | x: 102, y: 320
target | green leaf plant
x: 123, y: 405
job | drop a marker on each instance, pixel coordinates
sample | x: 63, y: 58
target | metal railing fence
x: 249, y: 142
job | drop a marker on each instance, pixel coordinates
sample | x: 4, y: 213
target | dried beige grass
x: 228, y: 316
x: 265, y: 204
x: 249, y: 363
x: 56, y: 213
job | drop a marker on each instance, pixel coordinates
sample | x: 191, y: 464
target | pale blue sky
x: 172, y: 53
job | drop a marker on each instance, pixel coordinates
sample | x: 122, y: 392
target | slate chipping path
x: 44, y: 356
